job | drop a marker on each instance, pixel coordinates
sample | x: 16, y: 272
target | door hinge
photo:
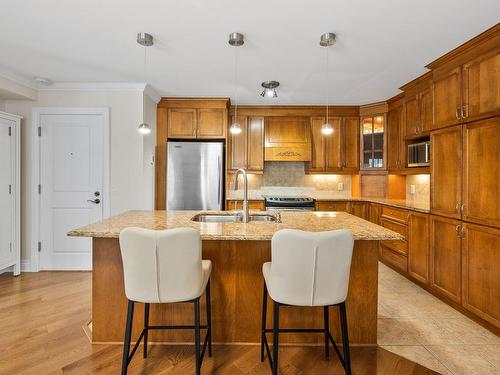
x: 39, y: 189
x: 39, y: 246
x: 10, y: 189
x: 39, y: 131
x: 10, y: 131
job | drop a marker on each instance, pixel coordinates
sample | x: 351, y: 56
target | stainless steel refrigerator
x: 195, y: 176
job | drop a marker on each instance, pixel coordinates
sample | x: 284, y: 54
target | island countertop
x: 254, y: 231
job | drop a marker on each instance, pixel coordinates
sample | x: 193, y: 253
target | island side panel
x: 236, y: 297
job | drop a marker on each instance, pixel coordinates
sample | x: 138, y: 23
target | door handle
x: 96, y: 201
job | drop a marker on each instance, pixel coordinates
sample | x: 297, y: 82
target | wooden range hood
x: 287, y: 139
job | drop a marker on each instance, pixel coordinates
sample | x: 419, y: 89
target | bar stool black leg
x: 326, y: 319
x: 146, y: 330
x: 345, y: 338
x: 264, y: 315
x: 128, y: 333
x: 276, y: 326
x: 209, y: 318
x: 197, y: 334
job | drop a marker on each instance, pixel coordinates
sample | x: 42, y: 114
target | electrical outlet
x: 412, y: 189
x: 340, y: 186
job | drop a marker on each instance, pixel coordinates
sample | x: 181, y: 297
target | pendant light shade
x: 144, y: 128
x: 236, y: 40
x: 145, y: 40
x: 327, y: 129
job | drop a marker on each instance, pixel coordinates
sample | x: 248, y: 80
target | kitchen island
x: 237, y: 251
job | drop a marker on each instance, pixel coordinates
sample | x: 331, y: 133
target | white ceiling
x: 380, y: 44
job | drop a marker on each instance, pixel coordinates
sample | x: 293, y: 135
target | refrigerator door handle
x: 219, y: 162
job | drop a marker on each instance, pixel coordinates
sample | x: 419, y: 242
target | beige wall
x: 2, y: 105
x: 422, y: 188
x: 128, y: 148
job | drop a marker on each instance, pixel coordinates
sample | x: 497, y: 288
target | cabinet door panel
x: 318, y: 145
x: 211, y: 123
x: 481, y: 279
x: 359, y: 209
x: 182, y: 123
x: 482, y: 172
x: 481, y: 85
x: 446, y: 89
x: 238, y: 145
x: 332, y: 206
x: 255, y: 144
x: 393, y: 139
x: 333, y: 158
x: 446, y: 257
x: 418, y: 247
x: 425, y: 105
x: 411, y: 116
x: 351, y: 143
x: 446, y: 171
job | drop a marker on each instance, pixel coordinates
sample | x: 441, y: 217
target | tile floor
x: 420, y: 327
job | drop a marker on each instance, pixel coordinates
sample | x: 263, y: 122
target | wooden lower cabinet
x: 359, y: 209
x: 332, y: 206
x: 252, y: 205
x: 374, y: 213
x: 446, y: 270
x: 480, y: 271
x: 396, y: 260
x: 418, y: 247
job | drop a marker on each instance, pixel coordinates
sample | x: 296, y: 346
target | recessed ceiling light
x: 43, y: 81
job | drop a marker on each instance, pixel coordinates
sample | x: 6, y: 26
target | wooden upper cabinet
x: 287, y: 139
x: 212, y: 123
x: 181, y: 123
x: 418, y: 247
x: 480, y: 276
x: 333, y: 143
x: 318, y: 145
x: 425, y: 110
x: 446, y: 257
x: 412, y: 119
x: 238, y: 145
x: 446, y: 171
x: 394, y: 139
x: 446, y: 96
x: 255, y: 144
x: 481, y: 86
x: 350, y: 130
x: 246, y: 149
x: 481, y: 174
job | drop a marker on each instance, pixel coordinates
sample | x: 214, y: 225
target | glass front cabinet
x: 373, y: 142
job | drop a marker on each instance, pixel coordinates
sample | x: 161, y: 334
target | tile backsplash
x: 292, y: 174
x: 422, y: 185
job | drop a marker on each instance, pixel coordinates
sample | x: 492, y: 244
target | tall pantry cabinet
x: 465, y: 177
x: 10, y: 190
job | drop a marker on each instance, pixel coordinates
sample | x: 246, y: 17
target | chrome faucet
x: 245, y: 191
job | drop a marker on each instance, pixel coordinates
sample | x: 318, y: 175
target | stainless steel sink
x: 231, y: 218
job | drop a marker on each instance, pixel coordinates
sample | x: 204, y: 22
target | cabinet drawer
x: 252, y: 205
x: 395, y: 214
x: 398, y: 246
x: 332, y: 206
x: 397, y: 260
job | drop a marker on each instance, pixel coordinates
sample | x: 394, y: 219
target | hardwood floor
x: 41, y: 320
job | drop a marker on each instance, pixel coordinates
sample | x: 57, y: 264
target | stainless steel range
x: 289, y: 204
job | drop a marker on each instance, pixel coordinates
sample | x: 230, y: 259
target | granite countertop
x: 309, y: 221
x: 327, y: 196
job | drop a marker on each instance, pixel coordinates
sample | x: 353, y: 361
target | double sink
x: 232, y: 217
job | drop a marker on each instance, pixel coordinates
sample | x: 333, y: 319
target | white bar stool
x: 164, y: 267
x: 308, y: 269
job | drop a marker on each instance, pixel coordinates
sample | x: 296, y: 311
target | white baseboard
x: 26, y: 265
x: 8, y: 269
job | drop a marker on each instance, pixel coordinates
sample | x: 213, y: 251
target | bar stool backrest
x: 161, y: 266
x: 310, y: 268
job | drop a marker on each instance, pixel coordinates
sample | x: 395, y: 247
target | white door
x: 71, y: 179
x: 7, y: 254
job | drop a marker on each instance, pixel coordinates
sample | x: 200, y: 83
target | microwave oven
x: 419, y: 154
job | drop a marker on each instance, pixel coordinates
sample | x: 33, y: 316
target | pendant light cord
x: 327, y: 86
x: 236, y: 84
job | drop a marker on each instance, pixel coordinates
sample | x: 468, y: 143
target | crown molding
x: 94, y: 86
x: 17, y: 78
x: 152, y: 93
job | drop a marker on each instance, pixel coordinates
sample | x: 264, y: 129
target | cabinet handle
x: 457, y: 207
x: 465, y: 111
x: 462, y: 209
x: 457, y: 229
x: 457, y: 113
x: 462, y: 232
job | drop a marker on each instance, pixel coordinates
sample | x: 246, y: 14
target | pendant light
x: 269, y: 89
x: 145, y: 40
x: 235, y: 40
x: 327, y: 40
